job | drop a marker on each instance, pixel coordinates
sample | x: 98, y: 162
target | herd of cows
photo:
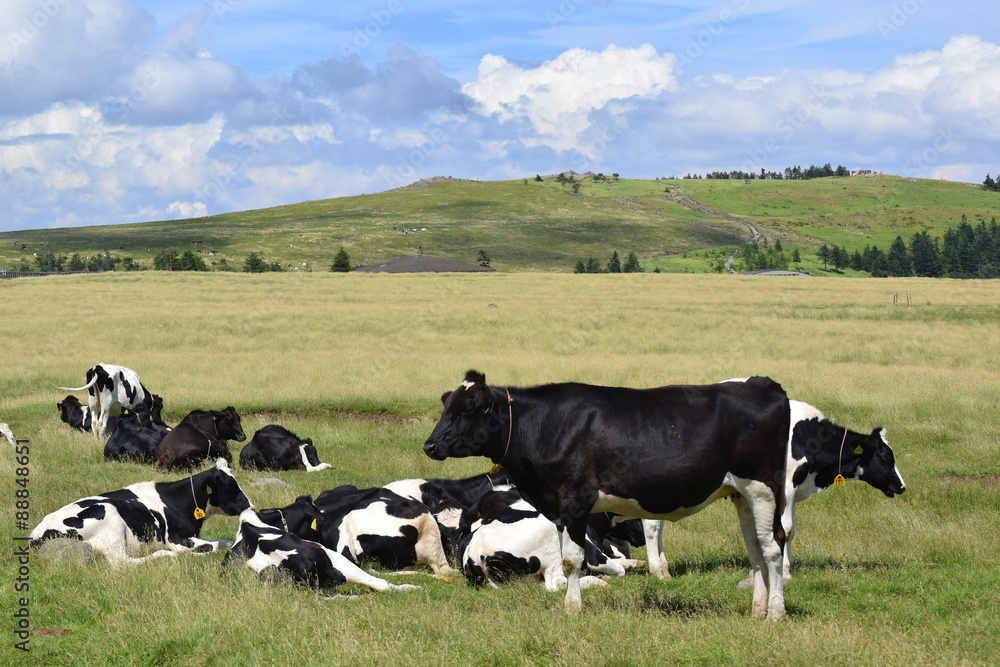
x: 581, y: 473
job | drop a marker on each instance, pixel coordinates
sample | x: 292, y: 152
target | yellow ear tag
x: 858, y: 449
x: 495, y: 469
x: 839, y: 480
x: 208, y: 489
x: 199, y: 513
x: 314, y: 525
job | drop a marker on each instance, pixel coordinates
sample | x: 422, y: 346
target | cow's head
x: 228, y: 426
x: 310, y: 451
x: 470, y: 424
x: 877, y: 464
x: 70, y: 408
x: 224, y: 492
x: 301, y: 518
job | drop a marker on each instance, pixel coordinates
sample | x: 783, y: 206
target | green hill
x: 525, y: 225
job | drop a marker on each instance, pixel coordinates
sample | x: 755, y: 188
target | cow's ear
x: 444, y: 396
x: 879, y: 432
x: 475, y: 377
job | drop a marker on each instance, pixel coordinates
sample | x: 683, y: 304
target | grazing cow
x: 74, y: 413
x: 112, y: 389
x: 819, y: 450
x: 515, y: 540
x: 170, y: 514
x: 276, y: 448
x: 452, y: 502
x: 135, y: 437
x: 201, y: 434
x: 381, y: 526
x: 264, y: 548
x: 664, y: 453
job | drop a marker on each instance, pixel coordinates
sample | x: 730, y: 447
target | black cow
x: 74, y: 413
x: 276, y: 448
x: 665, y: 453
x: 264, y: 548
x: 380, y: 526
x: 453, y: 502
x: 135, y: 437
x: 201, y: 434
x: 163, y: 513
x: 112, y: 389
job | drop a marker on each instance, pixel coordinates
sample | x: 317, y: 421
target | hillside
x: 524, y: 225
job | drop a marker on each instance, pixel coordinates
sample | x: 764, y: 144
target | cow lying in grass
x: 265, y: 549
x: 168, y: 514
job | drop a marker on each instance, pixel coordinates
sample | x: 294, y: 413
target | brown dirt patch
x: 988, y: 481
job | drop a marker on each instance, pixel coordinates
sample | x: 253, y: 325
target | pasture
x: 359, y: 362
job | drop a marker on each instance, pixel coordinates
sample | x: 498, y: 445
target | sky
x: 115, y: 111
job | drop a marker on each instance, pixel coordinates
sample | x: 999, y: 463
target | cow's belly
x: 630, y: 507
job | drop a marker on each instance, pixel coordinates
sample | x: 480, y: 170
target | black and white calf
x: 515, y: 540
x: 380, y: 526
x: 168, y: 514
x: 818, y: 451
x: 264, y: 548
x: 453, y: 502
x: 661, y: 453
x: 274, y: 447
x: 111, y: 389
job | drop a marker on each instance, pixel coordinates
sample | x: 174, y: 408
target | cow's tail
x: 90, y: 384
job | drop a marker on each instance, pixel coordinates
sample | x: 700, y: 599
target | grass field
x: 525, y: 225
x: 358, y: 363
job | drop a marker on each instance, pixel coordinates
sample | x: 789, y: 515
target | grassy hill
x: 525, y: 225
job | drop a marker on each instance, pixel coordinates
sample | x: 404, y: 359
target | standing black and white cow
x: 264, y: 548
x: 664, y: 453
x: 452, y: 502
x: 380, y: 526
x: 112, y: 389
x: 274, y: 447
x: 170, y: 514
x: 818, y: 451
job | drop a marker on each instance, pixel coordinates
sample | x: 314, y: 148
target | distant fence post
x: 895, y: 298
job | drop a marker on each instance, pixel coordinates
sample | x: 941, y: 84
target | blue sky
x: 130, y: 110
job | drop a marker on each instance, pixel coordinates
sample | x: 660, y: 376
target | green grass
x: 358, y: 363
x: 542, y: 227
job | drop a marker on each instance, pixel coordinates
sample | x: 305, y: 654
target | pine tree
x: 631, y: 264
x: 254, y: 263
x: 580, y: 267
x: 899, y: 261
x: 341, y: 262
x: 824, y: 255
x: 925, y: 256
x: 483, y: 259
x: 614, y: 264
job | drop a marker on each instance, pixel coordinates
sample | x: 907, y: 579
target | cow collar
x: 839, y: 479
x: 199, y: 513
x: 510, y: 431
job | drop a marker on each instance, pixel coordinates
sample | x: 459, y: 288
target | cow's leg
x: 355, y: 575
x: 429, y: 548
x: 760, y: 523
x: 573, y: 536
x: 653, y: 530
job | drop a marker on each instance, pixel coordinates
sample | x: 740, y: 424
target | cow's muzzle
x: 435, y: 452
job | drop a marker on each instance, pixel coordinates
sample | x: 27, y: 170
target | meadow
x: 359, y: 362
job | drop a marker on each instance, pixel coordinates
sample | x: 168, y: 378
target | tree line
x: 795, y: 173
x: 614, y: 265
x: 965, y: 251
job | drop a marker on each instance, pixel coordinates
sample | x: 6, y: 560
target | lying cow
x: 380, y: 526
x: 658, y: 453
x: 135, y: 437
x: 111, y: 389
x: 168, y: 514
x: 202, y: 434
x: 265, y: 548
x: 74, y: 413
x: 276, y: 448
x: 453, y: 502
x: 515, y: 540
x: 818, y: 451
